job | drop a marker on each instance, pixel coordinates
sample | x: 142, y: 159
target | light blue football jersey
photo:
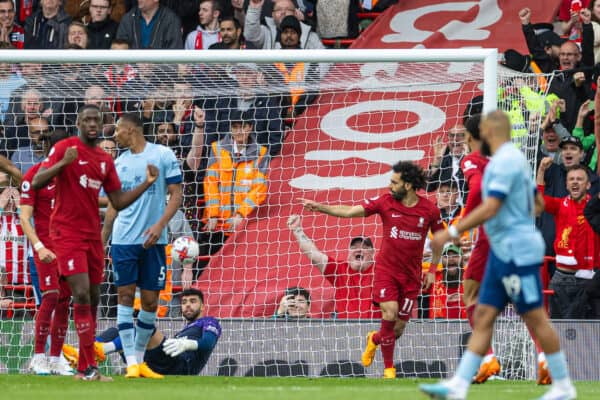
x: 133, y: 221
x: 512, y: 232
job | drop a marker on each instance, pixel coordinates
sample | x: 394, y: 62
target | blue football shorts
x: 147, y: 268
x: 506, y: 282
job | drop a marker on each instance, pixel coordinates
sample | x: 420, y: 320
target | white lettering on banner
x: 403, y: 23
x: 378, y: 155
x: 335, y: 124
x: 375, y: 80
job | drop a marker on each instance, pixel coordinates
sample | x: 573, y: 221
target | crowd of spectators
x: 230, y: 121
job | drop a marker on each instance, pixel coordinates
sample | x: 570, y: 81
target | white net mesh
x: 332, y: 130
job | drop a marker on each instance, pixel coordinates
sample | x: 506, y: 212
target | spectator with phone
x: 295, y: 304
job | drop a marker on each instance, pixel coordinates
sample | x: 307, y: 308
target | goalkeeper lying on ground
x: 186, y: 354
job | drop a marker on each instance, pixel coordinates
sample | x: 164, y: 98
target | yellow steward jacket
x: 234, y: 184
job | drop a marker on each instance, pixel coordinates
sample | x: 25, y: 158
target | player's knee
x: 81, y: 296
x: 150, y: 305
x: 483, y: 319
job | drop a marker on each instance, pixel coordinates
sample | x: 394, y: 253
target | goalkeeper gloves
x: 174, y: 347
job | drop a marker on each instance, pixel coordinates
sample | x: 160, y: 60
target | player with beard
x: 576, y: 244
x: 81, y: 168
x: 473, y: 165
x: 407, y: 218
x: 185, y: 354
x: 508, y: 208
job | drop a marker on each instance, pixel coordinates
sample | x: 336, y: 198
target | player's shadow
x: 344, y: 368
x: 279, y: 368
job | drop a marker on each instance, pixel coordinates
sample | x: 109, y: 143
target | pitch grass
x: 26, y: 387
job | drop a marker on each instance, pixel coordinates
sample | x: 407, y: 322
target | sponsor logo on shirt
x: 86, y: 182
x: 396, y: 233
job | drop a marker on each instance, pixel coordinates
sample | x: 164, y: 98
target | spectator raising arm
x: 317, y: 258
x: 194, y: 156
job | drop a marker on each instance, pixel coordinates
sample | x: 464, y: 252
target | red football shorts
x: 48, y: 274
x: 399, y: 288
x: 80, y: 257
x: 478, y: 260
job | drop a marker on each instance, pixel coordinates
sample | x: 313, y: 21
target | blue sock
x: 143, y: 332
x: 557, y: 364
x: 126, y: 332
x: 468, y: 366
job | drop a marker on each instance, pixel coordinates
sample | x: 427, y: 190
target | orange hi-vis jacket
x: 294, y: 79
x: 234, y: 184
x: 166, y: 295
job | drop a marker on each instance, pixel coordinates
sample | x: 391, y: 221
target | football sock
x: 388, y: 342
x: 60, y: 325
x: 83, y: 324
x: 557, y: 364
x: 126, y: 332
x: 143, y: 331
x: 43, y: 320
x: 467, y: 368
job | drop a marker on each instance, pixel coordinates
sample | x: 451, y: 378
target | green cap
x: 451, y: 247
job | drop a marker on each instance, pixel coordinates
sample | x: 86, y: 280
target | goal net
x: 333, y: 123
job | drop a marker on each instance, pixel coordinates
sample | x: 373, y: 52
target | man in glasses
x: 25, y: 157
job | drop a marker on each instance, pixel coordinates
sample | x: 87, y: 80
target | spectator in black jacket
x: 162, y: 27
x: 545, y: 48
x: 101, y: 29
x: 592, y: 215
x: 446, y: 162
x: 47, y: 27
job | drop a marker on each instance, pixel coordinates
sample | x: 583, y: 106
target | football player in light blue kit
x: 139, y: 237
x: 510, y: 203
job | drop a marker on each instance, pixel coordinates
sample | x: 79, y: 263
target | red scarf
x: 198, y: 43
x: 25, y: 9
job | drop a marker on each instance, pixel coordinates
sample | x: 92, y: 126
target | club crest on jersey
x: 71, y: 264
x: 103, y: 167
x: 421, y: 222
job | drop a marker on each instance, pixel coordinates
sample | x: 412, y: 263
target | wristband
x: 453, y: 232
x: 38, y: 246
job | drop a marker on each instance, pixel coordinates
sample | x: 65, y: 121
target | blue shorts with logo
x: 506, y: 282
x: 147, y: 268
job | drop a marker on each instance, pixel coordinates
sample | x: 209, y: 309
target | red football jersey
x: 353, y: 290
x: 76, y: 214
x: 41, y: 200
x: 472, y: 166
x: 404, y: 233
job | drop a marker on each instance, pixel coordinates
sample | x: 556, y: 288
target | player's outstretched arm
x: 44, y: 254
x: 120, y: 199
x: 317, y: 258
x: 44, y: 175
x: 339, y: 210
x: 8, y: 167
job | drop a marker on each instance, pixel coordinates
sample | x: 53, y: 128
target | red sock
x: 43, y: 320
x: 94, y: 310
x: 84, y: 324
x: 376, y: 338
x: 538, y: 348
x: 388, y: 342
x: 60, y: 324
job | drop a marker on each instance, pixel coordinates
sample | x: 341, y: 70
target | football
x: 185, y: 249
